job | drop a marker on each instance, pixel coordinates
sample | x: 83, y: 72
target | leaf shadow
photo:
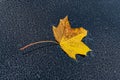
x: 81, y: 55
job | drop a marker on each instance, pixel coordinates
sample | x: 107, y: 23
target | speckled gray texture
x: 25, y: 21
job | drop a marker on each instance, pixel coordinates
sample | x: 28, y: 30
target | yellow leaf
x: 70, y: 38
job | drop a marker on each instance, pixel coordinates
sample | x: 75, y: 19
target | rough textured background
x: 25, y: 21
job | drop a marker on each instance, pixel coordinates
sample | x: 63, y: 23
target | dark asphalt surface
x: 26, y: 21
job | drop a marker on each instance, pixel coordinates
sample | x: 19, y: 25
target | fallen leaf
x: 70, y: 38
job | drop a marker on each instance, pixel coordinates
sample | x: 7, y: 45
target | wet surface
x: 26, y: 21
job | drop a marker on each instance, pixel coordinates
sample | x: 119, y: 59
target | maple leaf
x: 70, y: 38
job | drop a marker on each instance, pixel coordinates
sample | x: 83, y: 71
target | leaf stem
x: 39, y: 42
